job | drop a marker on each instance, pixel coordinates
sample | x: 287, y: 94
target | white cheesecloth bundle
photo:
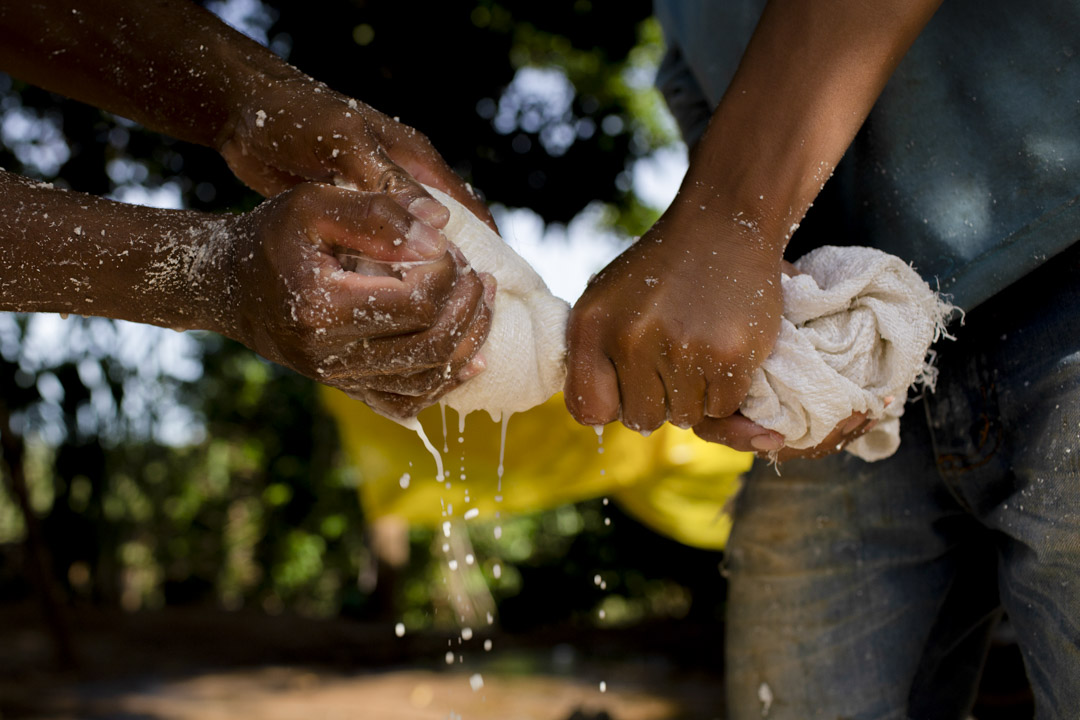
x: 525, y: 351
x: 856, y: 331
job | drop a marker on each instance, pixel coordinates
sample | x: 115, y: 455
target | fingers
x: 409, y: 328
x: 685, y: 387
x: 591, y: 391
x: 457, y: 332
x: 742, y: 434
x: 642, y: 394
x: 422, y: 361
x: 726, y: 392
x: 428, y: 167
x: 379, y: 174
x: 401, y: 407
x: 848, y: 430
x: 739, y: 433
x: 354, y: 306
x: 368, y: 223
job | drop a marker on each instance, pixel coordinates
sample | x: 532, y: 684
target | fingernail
x: 430, y: 211
x: 871, y: 425
x: 425, y: 240
x: 852, y: 425
x: 766, y: 443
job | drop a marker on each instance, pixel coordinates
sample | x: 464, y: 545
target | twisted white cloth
x: 525, y: 351
x: 856, y: 331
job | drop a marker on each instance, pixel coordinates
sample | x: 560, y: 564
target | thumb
x: 739, y: 433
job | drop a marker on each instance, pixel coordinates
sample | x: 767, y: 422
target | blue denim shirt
x: 969, y: 164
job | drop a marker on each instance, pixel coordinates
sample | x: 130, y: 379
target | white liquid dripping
x: 502, y: 448
x: 442, y: 412
x: 414, y: 425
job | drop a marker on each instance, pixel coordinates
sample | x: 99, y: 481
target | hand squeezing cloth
x: 855, y: 334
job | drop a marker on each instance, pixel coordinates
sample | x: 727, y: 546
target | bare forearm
x: 806, y: 83
x: 167, y: 64
x: 68, y: 252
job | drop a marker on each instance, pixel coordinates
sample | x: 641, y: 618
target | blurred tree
x: 173, y: 470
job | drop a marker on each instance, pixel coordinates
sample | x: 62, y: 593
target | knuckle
x: 393, y: 180
x: 636, y: 335
x: 300, y: 197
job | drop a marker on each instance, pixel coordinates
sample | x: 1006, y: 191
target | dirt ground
x: 285, y: 693
x: 205, y: 664
x: 211, y: 666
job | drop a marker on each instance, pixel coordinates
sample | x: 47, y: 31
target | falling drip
x: 414, y: 425
x: 442, y: 412
x: 599, y: 439
x: 502, y: 448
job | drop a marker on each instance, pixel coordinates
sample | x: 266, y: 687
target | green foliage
x: 223, y: 484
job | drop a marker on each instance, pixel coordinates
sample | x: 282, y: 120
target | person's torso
x: 969, y: 164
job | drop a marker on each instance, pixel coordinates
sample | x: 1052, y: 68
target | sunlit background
x: 166, y: 469
x: 175, y: 509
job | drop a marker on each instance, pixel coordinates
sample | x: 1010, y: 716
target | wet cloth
x: 856, y: 329
x: 525, y: 351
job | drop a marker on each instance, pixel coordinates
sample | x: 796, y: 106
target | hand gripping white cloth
x: 525, y: 351
x: 856, y: 331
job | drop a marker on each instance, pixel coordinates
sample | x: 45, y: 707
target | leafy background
x: 152, y: 474
x: 182, y: 470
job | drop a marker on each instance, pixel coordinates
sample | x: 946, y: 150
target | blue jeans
x: 869, y: 590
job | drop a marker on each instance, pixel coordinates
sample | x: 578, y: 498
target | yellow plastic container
x: 672, y: 481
